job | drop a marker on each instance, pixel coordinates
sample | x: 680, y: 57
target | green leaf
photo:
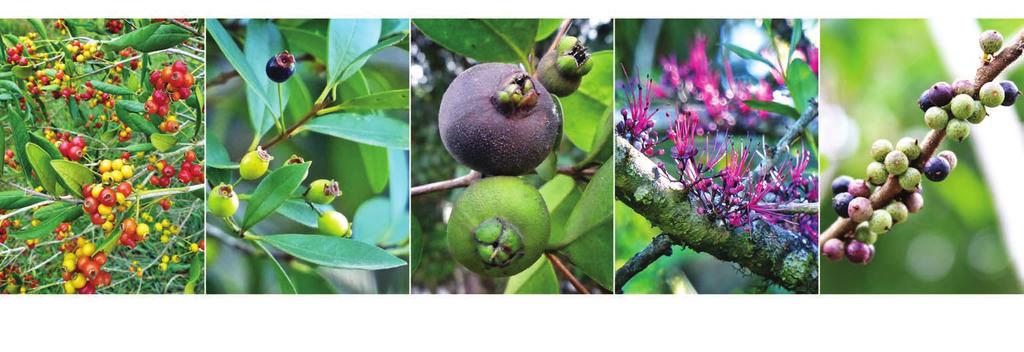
x: 153, y: 37
x: 588, y: 107
x: 216, y: 154
x: 749, y: 55
x: 802, y: 84
x: 392, y: 99
x: 235, y: 57
x: 548, y: 168
x: 398, y: 183
x: 195, y: 271
x: 346, y: 40
x: 359, y: 61
x: 262, y: 41
x: 73, y: 176
x: 375, y: 165
x: 303, y: 41
x: 279, y: 268
x: 46, y: 227
x: 794, y: 39
x: 539, y: 278
x: 46, y: 145
x: 594, y: 208
x: 3, y: 146
x: 331, y: 251
x: 601, y: 147
x: 373, y: 223
x: 19, y: 132
x: 131, y: 106
x: 22, y: 71
x: 771, y: 106
x: 389, y: 26
x: 368, y: 129
x: 17, y: 199
x: 416, y: 239
x: 272, y: 191
x: 300, y: 102
x: 299, y: 211
x: 110, y: 88
x: 484, y: 40
x: 139, y: 147
x: 592, y: 254
x: 546, y: 27
x: 561, y: 195
x: 162, y: 141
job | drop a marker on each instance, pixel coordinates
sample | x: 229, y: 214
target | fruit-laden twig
x: 930, y: 144
x: 458, y: 182
x: 786, y: 258
x: 774, y: 154
x: 660, y: 246
x: 557, y: 263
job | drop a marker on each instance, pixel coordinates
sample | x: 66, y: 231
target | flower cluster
x: 637, y: 125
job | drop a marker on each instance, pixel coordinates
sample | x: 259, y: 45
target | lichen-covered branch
x: 786, y: 258
x: 660, y: 246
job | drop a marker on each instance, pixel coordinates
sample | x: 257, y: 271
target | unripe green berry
x: 880, y: 148
x: 880, y: 221
x: 958, y: 130
x: 896, y: 162
x: 979, y: 113
x: 864, y: 234
x: 567, y: 43
x: 333, y: 223
x: 254, y: 164
x: 323, y: 191
x: 876, y: 173
x: 567, y: 65
x: 223, y: 201
x: 898, y: 211
x: 910, y: 179
x: 909, y: 147
x: 935, y: 118
x: 991, y: 94
x: 962, y: 106
x: 991, y: 41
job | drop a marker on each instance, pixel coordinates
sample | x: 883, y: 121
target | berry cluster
x: 14, y: 282
x: 115, y: 171
x: 101, y: 202
x: 19, y: 53
x: 170, y: 84
x: 83, y: 52
x: 948, y: 107
x: 5, y: 225
x: 72, y: 148
x: 127, y: 53
x: 188, y: 172
x: 83, y: 267
x: 133, y: 232
x: 10, y: 160
x: 114, y: 26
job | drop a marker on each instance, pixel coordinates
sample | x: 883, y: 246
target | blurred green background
x: 874, y: 72
x: 232, y: 271
x: 639, y: 44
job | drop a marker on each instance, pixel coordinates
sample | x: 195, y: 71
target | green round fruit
x: 334, y: 223
x: 499, y: 226
x: 323, y: 191
x: 958, y: 130
x: 979, y: 113
x: 562, y: 70
x: 910, y: 179
x: 223, y: 202
x: 880, y: 222
x: 991, y: 94
x: 962, y: 106
x: 936, y: 118
x: 896, y: 162
x: 254, y: 164
x: 880, y: 148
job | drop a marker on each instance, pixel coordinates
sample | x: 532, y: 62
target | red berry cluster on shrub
x: 187, y: 173
x: 114, y: 26
x: 72, y: 148
x: 15, y: 55
x: 172, y: 83
x: 9, y: 160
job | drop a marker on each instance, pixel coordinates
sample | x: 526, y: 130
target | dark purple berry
x: 936, y: 169
x: 924, y: 101
x: 1010, y: 92
x: 940, y: 94
x: 859, y: 188
x: 859, y: 252
x: 834, y: 249
x: 841, y: 204
x: 839, y: 185
x: 963, y: 86
x: 281, y: 66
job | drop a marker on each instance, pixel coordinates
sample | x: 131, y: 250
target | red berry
x: 125, y: 188
x: 160, y: 97
x: 179, y: 66
x: 185, y: 176
x: 190, y: 156
x: 75, y: 153
x: 107, y: 197
x: 165, y: 203
x: 162, y: 110
x: 168, y: 171
x: 90, y: 204
x: 78, y: 141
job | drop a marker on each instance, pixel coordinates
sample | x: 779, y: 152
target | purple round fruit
x: 859, y: 252
x: 841, y: 204
x: 1010, y: 92
x: 914, y: 202
x: 860, y: 209
x: 924, y: 101
x: 834, y: 249
x: 840, y: 184
x: 936, y: 169
x: 940, y: 94
x: 859, y: 188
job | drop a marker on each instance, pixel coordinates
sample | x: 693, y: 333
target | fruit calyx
x: 498, y: 242
x: 574, y: 58
x: 518, y: 94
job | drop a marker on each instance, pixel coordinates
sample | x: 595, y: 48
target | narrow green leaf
x: 303, y: 41
x: 771, y: 106
x: 17, y: 199
x: 539, y: 278
x: 331, y: 251
x: 272, y: 191
x: 217, y: 154
x: 794, y: 39
x: 279, y: 268
x: 20, y: 134
x: 110, y: 88
x: 73, y: 176
x: 346, y: 40
x: 162, y: 141
x: 546, y: 27
x: 592, y: 254
x: 802, y: 84
x: 235, y: 57
x: 594, y: 208
x: 300, y: 212
x: 359, y: 61
x: 561, y: 196
x: 389, y: 26
x: 375, y: 165
x: 749, y: 55
x: 46, y: 227
x: 195, y: 272
x: 368, y: 129
x: 392, y: 99
x: 152, y: 37
x: 373, y: 223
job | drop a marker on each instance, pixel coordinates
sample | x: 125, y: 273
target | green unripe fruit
x: 991, y: 94
x: 562, y: 70
x: 879, y: 149
x: 223, y: 202
x: 863, y: 233
x: 880, y: 221
x: 567, y: 43
x: 499, y: 226
x: 896, y: 162
x: 909, y: 147
x: 910, y: 179
x: 876, y: 173
x: 936, y: 118
x: 962, y: 106
x: 254, y: 164
x: 567, y: 65
x: 898, y: 211
x: 323, y: 191
x: 958, y: 130
x: 991, y: 41
x: 979, y: 113
x: 334, y: 223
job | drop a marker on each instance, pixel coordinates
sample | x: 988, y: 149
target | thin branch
x: 930, y: 144
x: 797, y: 208
x: 660, y: 246
x: 567, y: 274
x: 458, y: 182
x: 582, y: 174
x: 562, y: 29
x: 185, y: 26
x: 291, y: 130
x: 774, y: 155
